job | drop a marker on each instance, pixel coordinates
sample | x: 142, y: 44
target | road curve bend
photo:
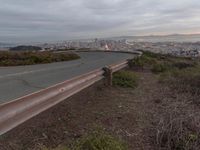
x: 19, y: 81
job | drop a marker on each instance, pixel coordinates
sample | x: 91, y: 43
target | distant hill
x: 167, y: 35
x: 162, y: 38
x: 25, y: 48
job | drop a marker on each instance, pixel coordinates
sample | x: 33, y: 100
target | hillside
x: 13, y: 58
x: 153, y: 105
x: 25, y: 48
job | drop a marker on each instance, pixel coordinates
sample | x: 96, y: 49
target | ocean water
x: 170, y: 38
x: 5, y: 45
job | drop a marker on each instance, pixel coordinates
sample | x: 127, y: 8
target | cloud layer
x: 53, y: 20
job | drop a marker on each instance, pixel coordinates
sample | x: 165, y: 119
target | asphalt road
x: 19, y: 81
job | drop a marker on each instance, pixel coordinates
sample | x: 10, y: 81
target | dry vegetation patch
x: 178, y: 123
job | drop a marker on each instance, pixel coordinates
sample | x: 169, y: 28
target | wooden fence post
x: 108, y: 75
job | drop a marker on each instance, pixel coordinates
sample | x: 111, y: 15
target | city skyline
x: 40, y: 21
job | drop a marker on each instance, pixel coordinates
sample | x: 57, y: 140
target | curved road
x: 19, y: 81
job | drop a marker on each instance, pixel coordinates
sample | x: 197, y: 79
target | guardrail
x: 20, y: 110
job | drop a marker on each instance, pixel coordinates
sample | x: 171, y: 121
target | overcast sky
x: 54, y: 20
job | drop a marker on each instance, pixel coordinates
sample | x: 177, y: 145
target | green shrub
x: 159, y: 63
x: 143, y: 61
x: 189, y: 78
x: 160, y: 67
x: 137, y: 62
x: 150, y: 54
x: 157, y: 56
x: 31, y: 58
x: 58, y: 148
x: 184, y: 64
x: 183, y: 80
x: 149, y: 59
x: 125, y: 79
x: 99, y: 141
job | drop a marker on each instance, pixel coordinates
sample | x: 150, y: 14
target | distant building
x: 106, y: 47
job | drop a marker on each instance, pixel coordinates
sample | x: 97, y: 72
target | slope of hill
x: 26, y: 48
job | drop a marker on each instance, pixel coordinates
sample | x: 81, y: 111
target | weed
x: 183, y: 80
x: 160, y: 67
x: 126, y: 79
x: 143, y: 61
x: 99, y: 140
x: 58, y: 148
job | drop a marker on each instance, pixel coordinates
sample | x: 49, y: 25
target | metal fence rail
x: 20, y: 110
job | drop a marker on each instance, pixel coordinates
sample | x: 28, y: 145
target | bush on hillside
x: 97, y: 140
x: 26, y: 48
x: 31, y: 58
x: 126, y: 79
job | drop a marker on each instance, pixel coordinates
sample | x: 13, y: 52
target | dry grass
x: 178, y: 122
x: 184, y: 81
x: 178, y: 125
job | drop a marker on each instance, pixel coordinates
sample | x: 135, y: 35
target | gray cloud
x: 53, y: 20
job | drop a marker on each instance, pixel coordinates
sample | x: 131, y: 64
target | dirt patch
x: 132, y: 115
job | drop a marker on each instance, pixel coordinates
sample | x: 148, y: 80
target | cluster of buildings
x: 96, y: 44
x: 185, y: 49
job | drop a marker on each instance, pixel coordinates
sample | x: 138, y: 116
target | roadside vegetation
x: 178, y: 128
x: 159, y: 63
x: 8, y: 58
x: 156, y: 105
x: 96, y: 140
x: 126, y: 79
x: 182, y: 74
